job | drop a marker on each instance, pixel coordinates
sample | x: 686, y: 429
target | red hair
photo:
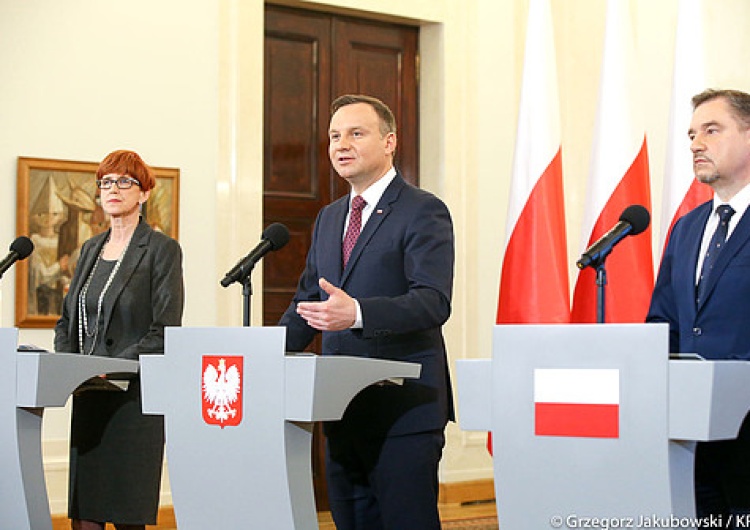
x: 128, y: 163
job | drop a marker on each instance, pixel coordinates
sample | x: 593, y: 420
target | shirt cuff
x: 358, y: 322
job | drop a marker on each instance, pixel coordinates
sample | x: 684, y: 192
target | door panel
x: 296, y: 174
x: 381, y: 60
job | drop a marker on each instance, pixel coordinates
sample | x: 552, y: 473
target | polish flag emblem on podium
x: 577, y: 402
x: 222, y: 390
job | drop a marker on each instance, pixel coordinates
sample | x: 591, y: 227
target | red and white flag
x: 534, y: 285
x: 577, y: 402
x: 619, y: 177
x: 682, y: 192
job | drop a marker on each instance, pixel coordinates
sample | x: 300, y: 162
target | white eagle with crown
x: 221, y: 388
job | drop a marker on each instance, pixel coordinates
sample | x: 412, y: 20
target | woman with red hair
x: 127, y: 287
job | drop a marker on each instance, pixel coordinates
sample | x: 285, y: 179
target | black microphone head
x: 636, y: 216
x: 22, y: 246
x: 277, y: 234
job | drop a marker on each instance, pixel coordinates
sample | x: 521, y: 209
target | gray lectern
x: 239, y: 414
x: 30, y: 381
x: 594, y: 423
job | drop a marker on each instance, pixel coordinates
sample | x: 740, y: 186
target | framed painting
x: 58, y: 209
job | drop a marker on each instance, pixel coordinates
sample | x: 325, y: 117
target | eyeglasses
x: 123, y: 183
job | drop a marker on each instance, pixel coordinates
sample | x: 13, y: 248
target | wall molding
x: 165, y: 519
x: 453, y: 493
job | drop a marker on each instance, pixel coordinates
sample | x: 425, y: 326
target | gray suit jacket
x: 146, y: 295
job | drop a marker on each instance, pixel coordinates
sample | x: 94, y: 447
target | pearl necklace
x: 83, y: 321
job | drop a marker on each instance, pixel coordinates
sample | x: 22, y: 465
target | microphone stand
x: 601, y: 282
x: 274, y: 237
x: 247, y: 292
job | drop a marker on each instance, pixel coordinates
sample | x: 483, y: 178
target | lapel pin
x: 379, y: 211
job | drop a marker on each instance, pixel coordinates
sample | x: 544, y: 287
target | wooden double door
x: 310, y: 59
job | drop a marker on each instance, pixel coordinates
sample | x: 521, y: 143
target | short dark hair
x: 738, y: 101
x: 387, y: 120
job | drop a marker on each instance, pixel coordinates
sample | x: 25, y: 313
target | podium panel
x: 579, y: 417
x: 246, y: 463
x: 708, y: 400
x: 29, y: 382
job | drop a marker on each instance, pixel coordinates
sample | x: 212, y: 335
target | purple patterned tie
x: 355, y: 226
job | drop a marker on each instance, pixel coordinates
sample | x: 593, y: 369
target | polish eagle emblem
x: 222, y: 390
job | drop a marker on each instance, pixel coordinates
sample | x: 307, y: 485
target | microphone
x: 274, y: 237
x: 633, y: 220
x: 21, y: 248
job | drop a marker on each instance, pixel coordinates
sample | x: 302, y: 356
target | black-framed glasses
x: 123, y: 183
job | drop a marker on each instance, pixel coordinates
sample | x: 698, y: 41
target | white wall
x: 81, y: 78
x: 181, y: 83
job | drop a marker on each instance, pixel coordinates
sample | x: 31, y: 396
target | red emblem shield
x: 222, y: 390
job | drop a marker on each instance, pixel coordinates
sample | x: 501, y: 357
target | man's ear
x: 390, y: 143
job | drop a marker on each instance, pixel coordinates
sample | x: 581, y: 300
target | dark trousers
x: 722, y: 481
x: 384, y: 484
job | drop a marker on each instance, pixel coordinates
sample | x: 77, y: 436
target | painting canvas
x: 59, y: 209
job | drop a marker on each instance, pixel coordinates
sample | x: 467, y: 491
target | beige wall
x: 181, y: 82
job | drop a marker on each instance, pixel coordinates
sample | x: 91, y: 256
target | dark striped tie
x: 714, y: 248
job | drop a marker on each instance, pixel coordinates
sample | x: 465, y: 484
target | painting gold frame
x: 58, y: 208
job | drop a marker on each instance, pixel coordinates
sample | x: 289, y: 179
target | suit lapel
x: 86, y: 263
x: 695, y: 236
x: 83, y: 270
x: 340, y: 211
x: 381, y: 211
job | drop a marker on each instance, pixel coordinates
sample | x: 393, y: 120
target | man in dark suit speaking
x: 703, y: 287
x: 377, y: 283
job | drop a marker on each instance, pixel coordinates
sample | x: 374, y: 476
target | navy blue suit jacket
x: 718, y: 328
x: 401, y: 272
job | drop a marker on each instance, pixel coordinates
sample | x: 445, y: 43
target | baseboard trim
x: 467, y: 491
x: 165, y: 520
x: 450, y: 493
